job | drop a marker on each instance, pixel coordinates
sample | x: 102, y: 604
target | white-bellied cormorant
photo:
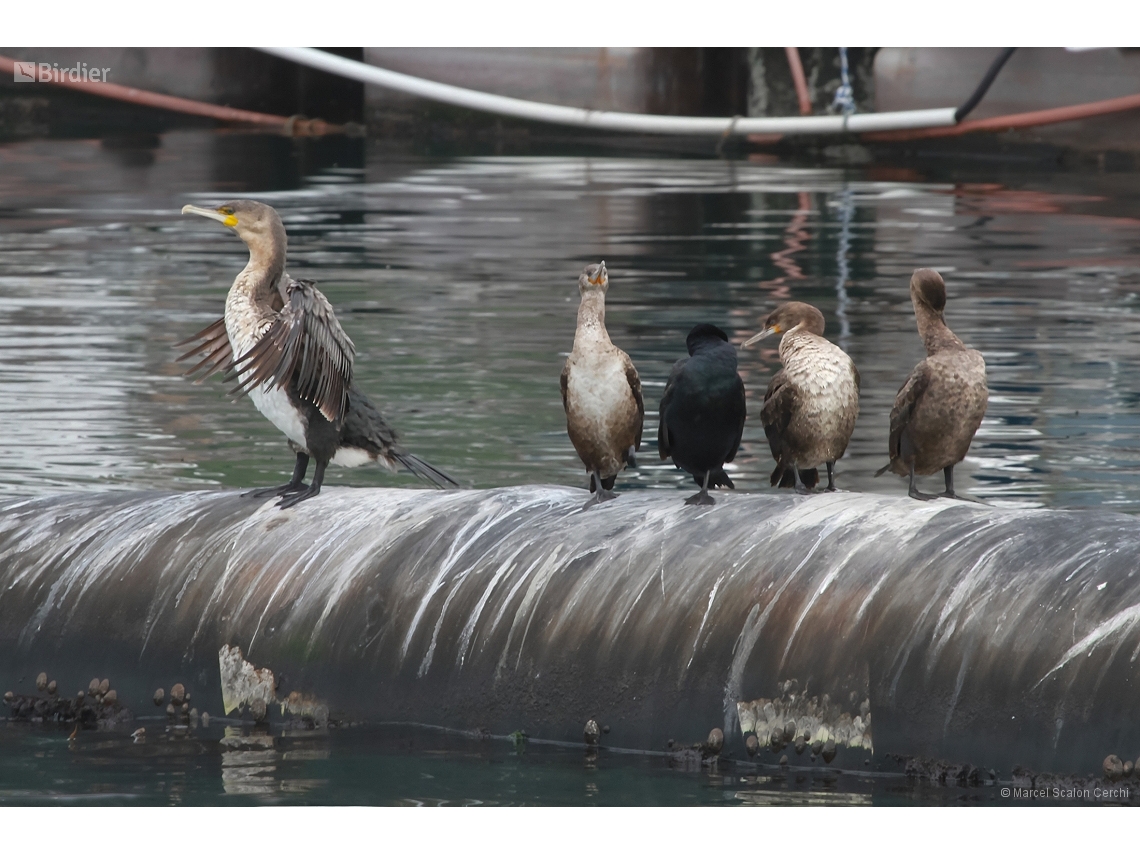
x: 812, y: 402
x: 601, y: 392
x: 703, y: 411
x: 941, y: 404
x: 293, y: 360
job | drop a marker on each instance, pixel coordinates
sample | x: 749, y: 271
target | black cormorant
x: 703, y: 411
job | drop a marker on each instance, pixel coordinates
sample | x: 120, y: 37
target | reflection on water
x: 406, y: 765
x: 457, y: 281
x: 250, y: 765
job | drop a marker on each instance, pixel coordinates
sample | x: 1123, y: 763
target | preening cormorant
x: 601, y: 392
x: 940, y: 406
x: 703, y: 411
x: 812, y: 402
x: 293, y: 360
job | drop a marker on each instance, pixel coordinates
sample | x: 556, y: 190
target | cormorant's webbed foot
x: 295, y: 486
x: 297, y: 496
x: 600, y: 493
x: 948, y: 472
x: 703, y: 497
x: 283, y: 490
x: 914, y: 492
x: 801, y: 488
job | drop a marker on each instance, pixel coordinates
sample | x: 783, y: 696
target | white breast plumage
x: 244, y: 327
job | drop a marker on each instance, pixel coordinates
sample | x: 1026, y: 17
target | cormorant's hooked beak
x: 225, y: 219
x: 764, y: 333
x: 600, y: 276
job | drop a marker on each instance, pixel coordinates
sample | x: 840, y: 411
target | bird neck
x: 796, y: 338
x: 935, y: 334
x: 591, y: 321
x: 267, y: 262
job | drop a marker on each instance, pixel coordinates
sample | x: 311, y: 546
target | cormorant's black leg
x: 298, y: 482
x: 950, y: 494
x: 703, y: 497
x: 948, y: 472
x: 601, y: 494
x: 914, y: 492
x: 801, y: 487
x: 291, y: 499
x: 831, y: 476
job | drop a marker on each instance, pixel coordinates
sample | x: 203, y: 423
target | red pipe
x: 296, y: 124
x: 798, y: 78
x: 1015, y: 121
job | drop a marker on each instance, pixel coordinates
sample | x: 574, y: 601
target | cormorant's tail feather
x: 422, y: 469
x: 720, y: 479
x: 884, y: 469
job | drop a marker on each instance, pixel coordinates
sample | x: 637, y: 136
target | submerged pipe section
x: 852, y: 623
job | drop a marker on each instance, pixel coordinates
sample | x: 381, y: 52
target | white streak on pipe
x: 606, y: 120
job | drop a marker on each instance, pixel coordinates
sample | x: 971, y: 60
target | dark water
x: 456, y: 279
x: 403, y: 765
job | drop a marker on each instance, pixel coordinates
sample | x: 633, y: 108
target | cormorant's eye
x: 226, y: 210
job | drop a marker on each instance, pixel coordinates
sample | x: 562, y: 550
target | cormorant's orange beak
x: 600, y: 277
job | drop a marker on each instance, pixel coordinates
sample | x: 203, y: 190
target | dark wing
x: 905, y: 402
x: 565, y: 381
x: 213, y: 346
x: 634, y: 387
x: 776, y: 414
x: 740, y: 413
x: 664, y: 444
x: 303, y: 346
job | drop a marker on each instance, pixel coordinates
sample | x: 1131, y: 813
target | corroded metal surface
x: 979, y: 635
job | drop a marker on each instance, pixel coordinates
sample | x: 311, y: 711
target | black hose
x: 984, y: 86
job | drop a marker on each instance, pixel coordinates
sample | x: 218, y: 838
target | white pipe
x: 606, y: 120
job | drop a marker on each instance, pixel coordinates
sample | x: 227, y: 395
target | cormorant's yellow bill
x: 222, y: 215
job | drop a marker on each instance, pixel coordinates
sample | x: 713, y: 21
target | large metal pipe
x: 535, y: 111
x: 969, y: 633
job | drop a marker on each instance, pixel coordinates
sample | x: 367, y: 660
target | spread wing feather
x: 213, y: 345
x: 303, y: 345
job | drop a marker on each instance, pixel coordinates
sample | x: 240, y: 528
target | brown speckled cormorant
x: 812, y: 403
x: 942, y: 402
x: 703, y: 411
x: 601, y: 392
x: 294, y: 361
